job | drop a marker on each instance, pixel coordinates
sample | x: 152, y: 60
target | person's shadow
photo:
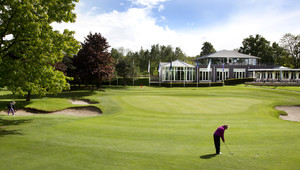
x: 209, y: 156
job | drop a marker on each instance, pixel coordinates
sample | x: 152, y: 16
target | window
x: 178, y: 74
x: 270, y: 75
x: 285, y: 75
x: 204, y: 75
x: 277, y: 75
x: 293, y: 76
x: 239, y: 73
x: 222, y: 76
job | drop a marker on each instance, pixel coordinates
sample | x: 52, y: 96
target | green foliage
x: 28, y: 56
x: 281, y: 56
x: 129, y: 81
x: 238, y: 81
x: 207, y: 49
x: 291, y: 43
x: 126, y: 68
x: 272, y: 84
x: 94, y: 64
x: 258, y: 46
x: 182, y: 84
x: 157, y: 54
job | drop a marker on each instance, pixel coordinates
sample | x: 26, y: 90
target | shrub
x: 129, y: 82
x: 181, y: 84
x: 238, y: 81
x: 272, y: 84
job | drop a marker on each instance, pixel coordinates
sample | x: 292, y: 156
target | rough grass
x: 156, y: 128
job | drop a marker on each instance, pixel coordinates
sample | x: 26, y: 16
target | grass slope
x: 156, y: 128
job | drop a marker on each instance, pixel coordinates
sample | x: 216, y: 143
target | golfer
x: 11, y: 107
x: 219, y: 133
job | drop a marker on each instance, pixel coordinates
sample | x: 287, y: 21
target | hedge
x: 238, y: 81
x: 145, y: 82
x: 272, y: 84
x: 129, y: 82
x: 181, y: 84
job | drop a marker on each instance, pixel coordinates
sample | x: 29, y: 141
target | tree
x: 29, y: 47
x: 291, y: 43
x: 280, y: 55
x: 258, y: 46
x: 207, y: 49
x: 117, y: 54
x: 94, y: 62
x: 126, y: 69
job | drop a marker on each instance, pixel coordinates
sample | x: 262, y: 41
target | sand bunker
x: 81, y: 102
x: 292, y: 111
x: 74, y: 111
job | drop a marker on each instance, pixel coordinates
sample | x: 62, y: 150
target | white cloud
x: 132, y: 29
x: 161, y: 8
x: 136, y: 28
x: 147, y: 3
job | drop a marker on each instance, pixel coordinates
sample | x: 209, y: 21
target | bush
x: 129, y: 82
x: 238, y: 81
x: 181, y: 84
x: 272, y: 84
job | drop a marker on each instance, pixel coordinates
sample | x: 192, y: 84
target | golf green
x: 155, y: 128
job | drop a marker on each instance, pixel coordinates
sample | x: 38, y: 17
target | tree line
x: 126, y: 64
x: 94, y: 63
x: 285, y: 53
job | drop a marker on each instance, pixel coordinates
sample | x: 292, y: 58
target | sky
x: 136, y: 24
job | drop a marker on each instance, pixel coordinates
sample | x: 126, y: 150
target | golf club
x: 228, y: 149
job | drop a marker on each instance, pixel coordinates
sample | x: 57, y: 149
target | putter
x: 228, y: 149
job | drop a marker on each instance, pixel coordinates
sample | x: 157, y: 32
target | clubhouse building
x: 224, y: 65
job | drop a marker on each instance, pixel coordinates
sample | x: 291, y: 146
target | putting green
x: 191, y: 105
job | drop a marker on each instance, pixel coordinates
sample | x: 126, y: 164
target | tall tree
x: 291, y: 43
x: 29, y: 47
x: 207, y: 49
x: 258, y: 46
x: 94, y: 62
x: 126, y: 68
x: 117, y: 54
x: 280, y: 55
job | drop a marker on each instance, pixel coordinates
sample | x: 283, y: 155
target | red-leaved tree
x: 94, y: 62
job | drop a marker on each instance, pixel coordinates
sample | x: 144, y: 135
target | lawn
x: 154, y: 128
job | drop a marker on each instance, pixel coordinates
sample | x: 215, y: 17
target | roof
x: 279, y: 68
x: 228, y: 54
x: 176, y: 63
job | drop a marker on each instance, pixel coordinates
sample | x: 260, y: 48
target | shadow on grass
x: 4, y: 123
x: 10, y: 132
x: 19, y: 105
x: 72, y: 94
x: 209, y: 156
x: 6, y: 96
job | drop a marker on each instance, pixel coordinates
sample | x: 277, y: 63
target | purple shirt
x: 220, y: 132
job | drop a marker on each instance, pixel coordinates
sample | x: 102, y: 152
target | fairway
x: 155, y: 128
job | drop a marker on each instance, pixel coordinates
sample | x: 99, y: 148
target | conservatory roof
x: 176, y: 63
x: 279, y: 68
x: 228, y: 54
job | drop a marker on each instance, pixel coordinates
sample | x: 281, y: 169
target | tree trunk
x: 124, y: 81
x: 28, y: 96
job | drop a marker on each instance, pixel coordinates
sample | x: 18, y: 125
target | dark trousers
x: 217, y: 143
x: 11, y: 110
